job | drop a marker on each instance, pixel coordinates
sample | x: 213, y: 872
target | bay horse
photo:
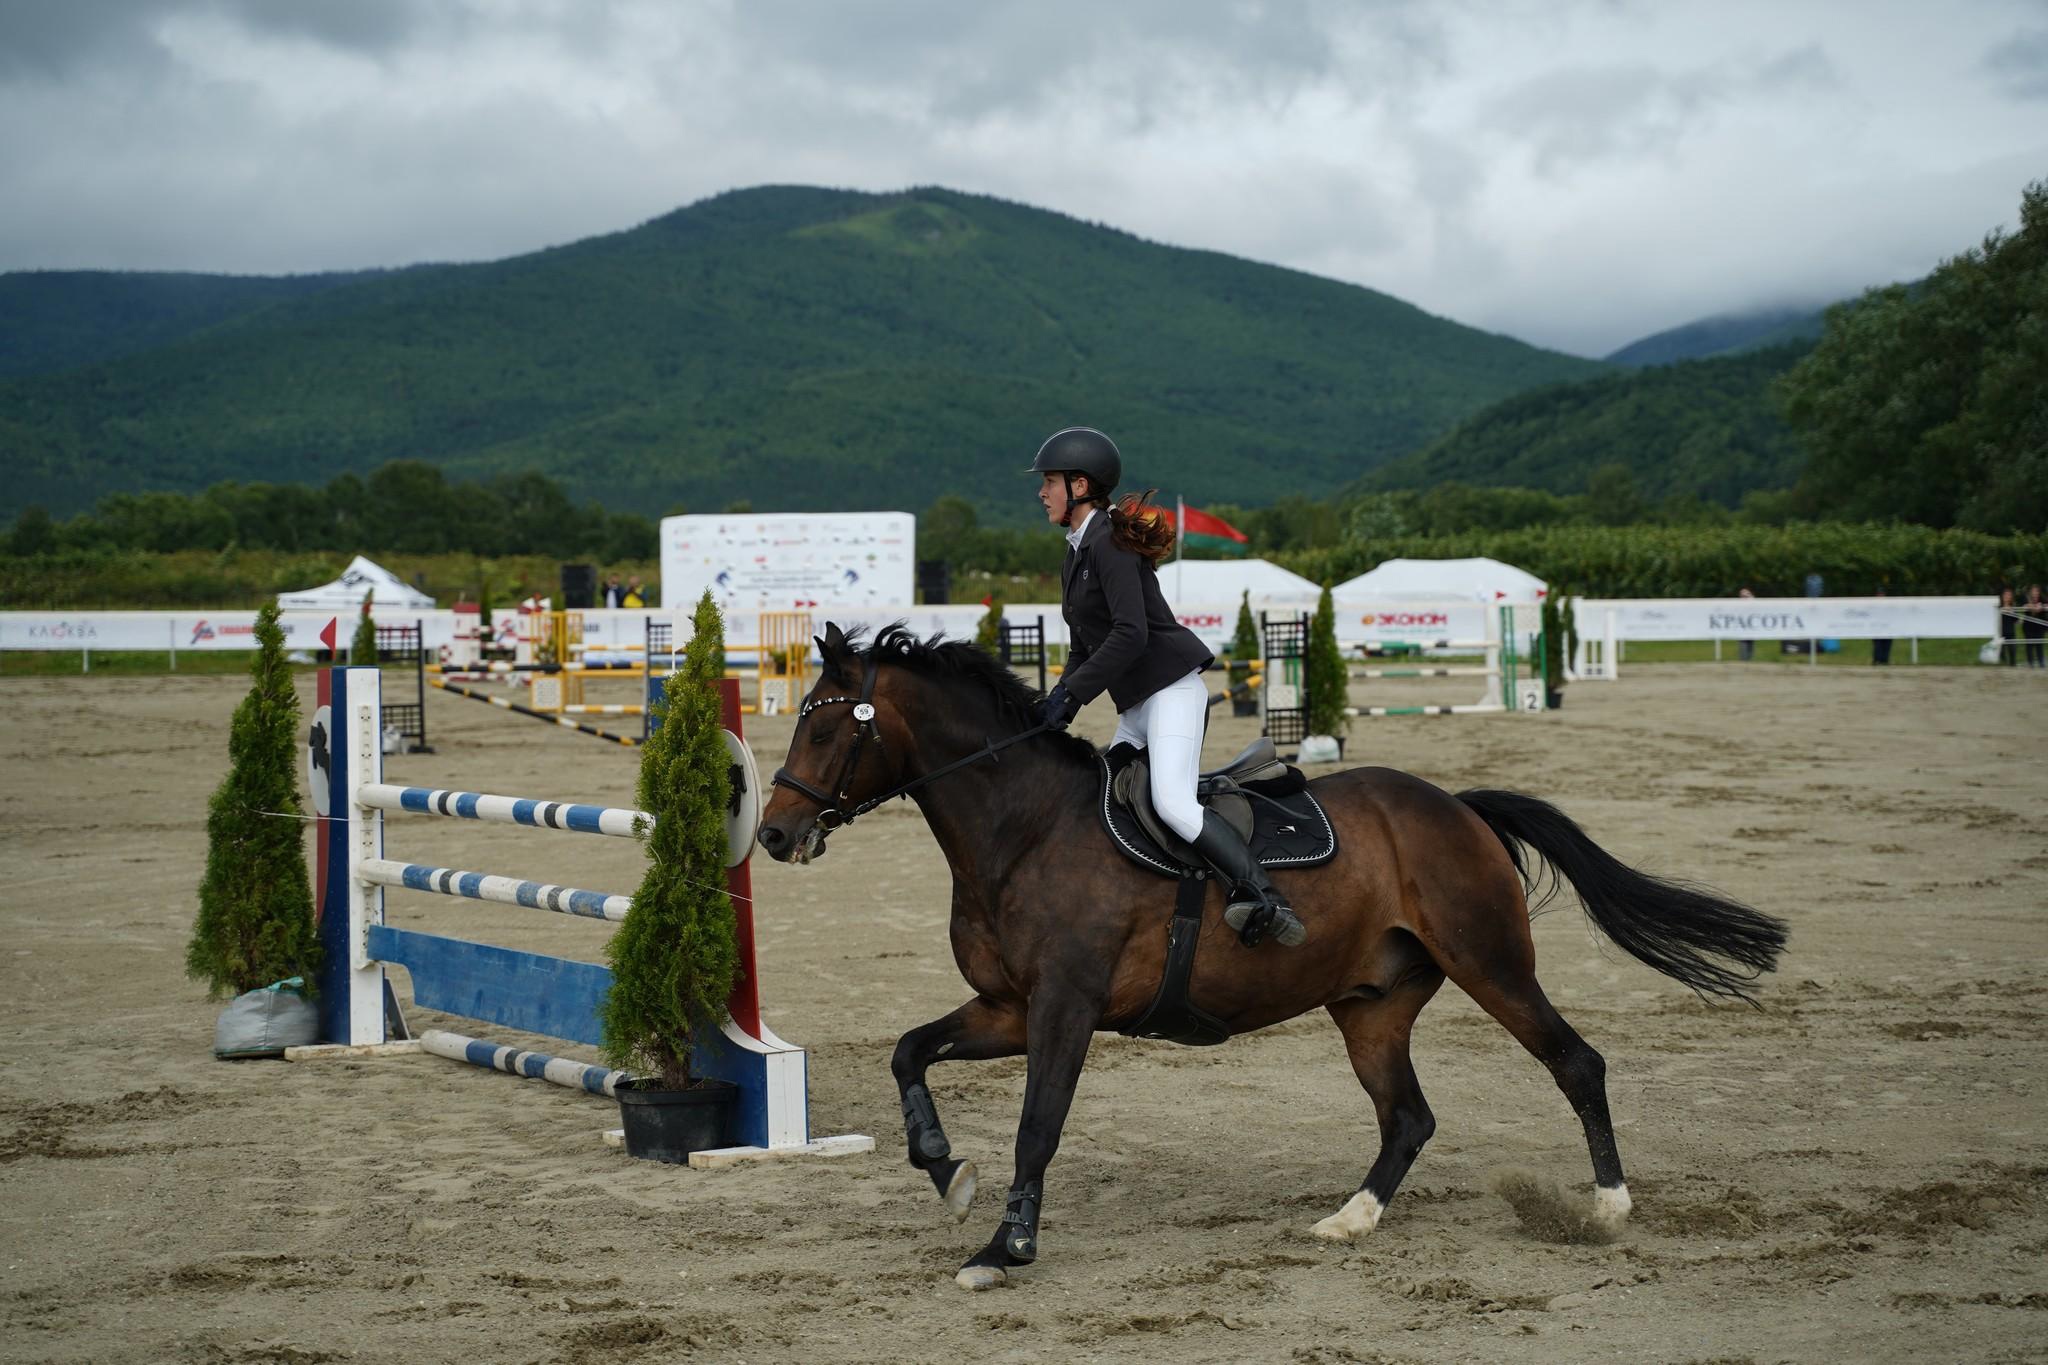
x: 1060, y: 936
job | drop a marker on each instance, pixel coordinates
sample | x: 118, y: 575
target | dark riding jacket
x: 1122, y: 637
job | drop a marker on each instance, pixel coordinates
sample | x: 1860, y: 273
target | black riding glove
x: 1059, y: 708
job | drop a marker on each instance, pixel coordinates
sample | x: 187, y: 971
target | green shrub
x: 1327, y: 677
x: 255, y: 920
x: 362, y: 648
x: 675, y: 958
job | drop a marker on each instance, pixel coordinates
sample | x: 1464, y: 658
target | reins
x: 831, y: 816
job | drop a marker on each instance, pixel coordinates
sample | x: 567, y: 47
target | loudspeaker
x: 934, y: 581
x: 579, y: 586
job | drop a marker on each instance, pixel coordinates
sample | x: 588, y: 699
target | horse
x: 1060, y: 937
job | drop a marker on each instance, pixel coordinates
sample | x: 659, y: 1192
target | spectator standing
x: 2008, y: 629
x: 1881, y: 650
x: 2034, y: 625
x: 614, y: 592
x: 1746, y: 649
x: 636, y: 596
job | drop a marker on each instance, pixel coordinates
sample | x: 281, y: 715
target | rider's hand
x: 1058, y: 709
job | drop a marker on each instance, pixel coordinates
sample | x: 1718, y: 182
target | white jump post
x: 557, y: 997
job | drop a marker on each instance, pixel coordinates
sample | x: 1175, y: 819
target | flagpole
x: 1180, y: 541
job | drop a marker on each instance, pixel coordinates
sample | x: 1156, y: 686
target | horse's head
x: 848, y: 747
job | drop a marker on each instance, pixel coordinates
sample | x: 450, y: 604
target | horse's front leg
x: 979, y: 1030
x: 1061, y: 1025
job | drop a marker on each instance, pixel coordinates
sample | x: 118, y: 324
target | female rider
x: 1123, y: 640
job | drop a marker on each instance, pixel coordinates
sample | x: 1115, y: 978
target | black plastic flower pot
x: 668, y: 1125
x: 1553, y: 698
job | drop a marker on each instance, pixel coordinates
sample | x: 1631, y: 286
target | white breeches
x: 1168, y: 726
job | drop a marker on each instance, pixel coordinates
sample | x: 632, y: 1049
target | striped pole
x: 485, y: 886
x: 1425, y: 673
x: 537, y: 1066
x: 1481, y: 708
x: 630, y: 741
x: 505, y: 810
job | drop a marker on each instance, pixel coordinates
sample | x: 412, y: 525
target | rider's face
x: 1052, y: 494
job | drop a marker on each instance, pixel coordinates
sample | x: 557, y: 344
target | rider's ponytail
x: 1136, y: 525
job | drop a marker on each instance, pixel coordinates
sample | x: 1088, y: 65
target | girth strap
x: 1172, y: 1015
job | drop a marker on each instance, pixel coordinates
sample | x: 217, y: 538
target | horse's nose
x: 773, y: 840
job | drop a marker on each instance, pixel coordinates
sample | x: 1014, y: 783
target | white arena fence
x: 1605, y: 625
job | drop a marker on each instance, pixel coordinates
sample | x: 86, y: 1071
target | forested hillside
x: 1727, y: 334
x: 798, y: 348
x: 61, y: 319
x: 1705, y: 427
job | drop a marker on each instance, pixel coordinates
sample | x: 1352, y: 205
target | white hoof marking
x: 1611, y: 1206
x: 1358, y: 1217
x: 980, y: 1277
x: 960, y: 1192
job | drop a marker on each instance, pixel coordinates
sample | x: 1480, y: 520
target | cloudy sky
x: 1573, y: 172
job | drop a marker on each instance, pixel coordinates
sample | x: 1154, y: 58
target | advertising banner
x: 159, y: 630
x: 1795, y: 618
x: 789, y: 561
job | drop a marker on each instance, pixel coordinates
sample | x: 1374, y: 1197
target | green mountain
x: 1728, y: 334
x: 800, y: 348
x: 62, y: 319
x: 1707, y: 427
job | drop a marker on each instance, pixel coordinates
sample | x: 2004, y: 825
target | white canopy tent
x: 346, y: 592
x: 1191, y: 581
x: 1443, y: 580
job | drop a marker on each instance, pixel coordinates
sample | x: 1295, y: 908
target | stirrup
x: 1280, y: 923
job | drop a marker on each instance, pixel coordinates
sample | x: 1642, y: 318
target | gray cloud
x: 1576, y: 172
x: 2020, y: 64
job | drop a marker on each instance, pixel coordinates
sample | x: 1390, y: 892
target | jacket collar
x: 1076, y: 534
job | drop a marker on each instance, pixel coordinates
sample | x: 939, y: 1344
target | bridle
x: 832, y: 814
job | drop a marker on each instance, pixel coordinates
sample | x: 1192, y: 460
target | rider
x: 1124, y: 640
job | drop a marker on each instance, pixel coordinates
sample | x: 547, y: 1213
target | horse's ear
x: 832, y: 649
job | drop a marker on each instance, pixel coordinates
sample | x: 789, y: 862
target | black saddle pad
x: 1289, y: 827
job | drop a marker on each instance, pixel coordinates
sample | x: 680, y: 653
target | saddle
x: 1266, y: 801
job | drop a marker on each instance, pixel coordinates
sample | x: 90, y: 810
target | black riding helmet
x: 1081, y: 450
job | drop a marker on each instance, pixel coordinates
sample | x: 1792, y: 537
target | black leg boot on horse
x: 1254, y: 900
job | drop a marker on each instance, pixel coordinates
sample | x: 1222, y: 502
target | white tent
x: 1208, y: 581
x: 1443, y: 580
x: 346, y: 592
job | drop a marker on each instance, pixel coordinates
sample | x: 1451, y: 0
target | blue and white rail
x: 555, y: 997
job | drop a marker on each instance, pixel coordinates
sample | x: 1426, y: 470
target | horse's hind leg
x: 1515, y: 999
x: 979, y: 1030
x: 1376, y: 1037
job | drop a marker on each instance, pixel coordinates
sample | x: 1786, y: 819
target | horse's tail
x: 1711, y: 943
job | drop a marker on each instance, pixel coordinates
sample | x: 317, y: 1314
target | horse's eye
x: 820, y: 735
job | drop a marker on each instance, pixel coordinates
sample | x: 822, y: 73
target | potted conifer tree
x: 988, y: 632
x: 1554, y: 647
x: 254, y: 936
x: 1244, y: 648
x: 362, y: 646
x: 675, y: 957
x: 1328, y: 681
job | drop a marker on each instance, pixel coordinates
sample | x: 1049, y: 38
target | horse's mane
x: 963, y: 660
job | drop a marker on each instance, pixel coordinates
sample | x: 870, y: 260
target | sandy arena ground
x: 1853, y: 1173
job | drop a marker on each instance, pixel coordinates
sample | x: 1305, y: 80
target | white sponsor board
x: 160, y: 630
x: 1725, y: 618
x: 789, y: 561
x: 1794, y: 618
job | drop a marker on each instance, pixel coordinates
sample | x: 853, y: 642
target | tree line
x: 404, y: 507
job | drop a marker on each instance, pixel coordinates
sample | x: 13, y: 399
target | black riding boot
x: 1251, y: 891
